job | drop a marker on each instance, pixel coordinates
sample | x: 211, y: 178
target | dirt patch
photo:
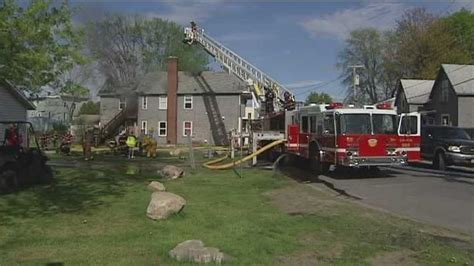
x: 302, y: 200
x: 320, y: 253
x: 392, y: 258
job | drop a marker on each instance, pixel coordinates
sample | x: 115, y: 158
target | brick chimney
x: 172, y: 112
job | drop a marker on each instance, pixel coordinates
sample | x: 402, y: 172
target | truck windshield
x: 354, y: 123
x: 384, y: 123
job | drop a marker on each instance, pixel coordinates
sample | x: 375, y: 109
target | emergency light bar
x: 385, y: 106
x: 334, y: 106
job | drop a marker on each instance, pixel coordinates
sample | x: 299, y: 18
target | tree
x: 127, y: 48
x: 37, y: 43
x: 365, y: 47
x: 422, y: 42
x: 461, y: 25
x: 90, y: 108
x: 318, y: 98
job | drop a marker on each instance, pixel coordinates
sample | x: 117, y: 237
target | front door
x: 409, y: 131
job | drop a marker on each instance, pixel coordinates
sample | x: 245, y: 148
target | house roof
x: 417, y: 91
x: 461, y: 77
x: 156, y: 83
x: 17, y: 94
x: 203, y: 83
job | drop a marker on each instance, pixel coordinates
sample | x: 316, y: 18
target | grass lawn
x: 95, y: 214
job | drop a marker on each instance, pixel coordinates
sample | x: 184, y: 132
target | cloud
x: 302, y: 84
x: 183, y: 12
x: 339, y: 24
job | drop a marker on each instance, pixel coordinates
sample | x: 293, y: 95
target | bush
x: 90, y: 108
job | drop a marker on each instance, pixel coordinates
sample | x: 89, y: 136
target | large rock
x: 163, y: 204
x: 195, y: 251
x: 155, y: 186
x: 171, y: 172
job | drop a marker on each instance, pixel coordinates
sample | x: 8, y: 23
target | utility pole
x: 355, y: 78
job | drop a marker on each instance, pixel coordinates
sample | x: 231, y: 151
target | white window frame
x: 184, y: 128
x: 159, y: 129
x: 162, y: 102
x: 120, y: 104
x: 144, y: 102
x: 442, y: 119
x: 190, y: 99
x: 144, y: 126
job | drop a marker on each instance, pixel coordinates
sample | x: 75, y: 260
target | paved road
x: 439, y: 199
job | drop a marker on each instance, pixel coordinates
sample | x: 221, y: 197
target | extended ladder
x: 260, y: 82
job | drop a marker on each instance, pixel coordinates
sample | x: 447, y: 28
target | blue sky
x: 295, y: 42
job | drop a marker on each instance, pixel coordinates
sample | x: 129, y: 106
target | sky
x: 295, y: 42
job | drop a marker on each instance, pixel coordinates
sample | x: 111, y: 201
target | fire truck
x: 326, y: 134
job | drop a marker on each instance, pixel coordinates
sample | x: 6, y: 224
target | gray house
x: 13, y: 105
x: 174, y: 104
x: 451, y: 101
x: 412, y: 94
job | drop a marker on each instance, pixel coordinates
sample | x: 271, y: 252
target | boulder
x: 155, y: 186
x: 171, y: 172
x: 195, y: 251
x: 163, y: 204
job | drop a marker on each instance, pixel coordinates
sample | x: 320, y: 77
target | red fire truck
x: 332, y: 134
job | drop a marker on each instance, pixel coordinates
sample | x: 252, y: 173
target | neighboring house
x: 451, y: 101
x: 13, y: 105
x: 54, y: 109
x: 412, y: 94
x: 173, y: 104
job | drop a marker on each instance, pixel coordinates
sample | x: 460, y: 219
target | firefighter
x: 269, y: 96
x: 66, y: 141
x: 131, y: 144
x: 12, y: 136
x: 87, y: 144
x: 149, y: 145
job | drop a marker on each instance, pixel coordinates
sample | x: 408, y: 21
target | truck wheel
x: 440, y: 161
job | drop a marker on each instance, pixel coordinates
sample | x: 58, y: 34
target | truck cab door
x: 409, y: 132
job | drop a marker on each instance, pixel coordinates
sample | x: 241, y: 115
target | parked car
x: 447, y: 146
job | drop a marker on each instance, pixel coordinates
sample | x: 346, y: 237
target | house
x: 13, y: 105
x: 53, y: 109
x: 451, y: 100
x: 412, y: 94
x: 174, y: 104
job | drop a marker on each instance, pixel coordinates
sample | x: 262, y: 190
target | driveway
x: 438, y: 199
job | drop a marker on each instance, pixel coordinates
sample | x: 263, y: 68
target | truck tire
x: 440, y: 161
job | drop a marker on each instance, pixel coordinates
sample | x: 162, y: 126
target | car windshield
x: 453, y: 133
x: 384, y: 123
x: 354, y: 124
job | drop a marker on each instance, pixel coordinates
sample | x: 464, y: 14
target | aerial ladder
x: 268, y: 96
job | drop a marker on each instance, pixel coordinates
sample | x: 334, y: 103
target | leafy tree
x: 90, y: 108
x: 461, y: 25
x: 364, y: 47
x: 37, y: 43
x: 423, y: 42
x: 318, y: 98
x: 129, y: 47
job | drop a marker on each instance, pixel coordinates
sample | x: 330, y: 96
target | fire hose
x: 211, y: 165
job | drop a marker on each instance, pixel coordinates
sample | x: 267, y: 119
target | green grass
x: 95, y: 214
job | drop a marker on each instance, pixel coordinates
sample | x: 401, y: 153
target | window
x: 409, y: 125
x: 329, y: 124
x: 445, y: 119
x: 144, y: 102
x: 162, y: 102
x: 304, y: 124
x: 312, y: 125
x: 385, y: 124
x: 122, y: 104
x: 162, y: 127
x: 188, y: 102
x: 187, y: 128
x: 445, y: 91
x: 144, y: 127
